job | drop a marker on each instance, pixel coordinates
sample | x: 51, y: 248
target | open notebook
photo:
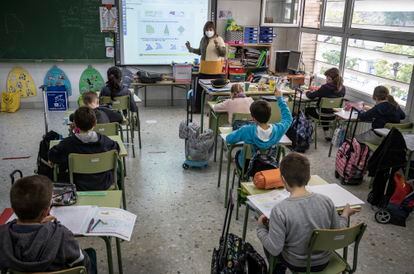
x: 339, y: 196
x: 83, y: 220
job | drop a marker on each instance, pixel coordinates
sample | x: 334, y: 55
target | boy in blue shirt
x: 261, y: 134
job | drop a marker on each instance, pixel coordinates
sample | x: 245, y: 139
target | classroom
x: 207, y: 136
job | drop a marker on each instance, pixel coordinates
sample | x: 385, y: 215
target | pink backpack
x: 351, y: 161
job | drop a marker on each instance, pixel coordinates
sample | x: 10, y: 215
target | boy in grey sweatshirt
x: 287, y: 232
x: 36, y: 242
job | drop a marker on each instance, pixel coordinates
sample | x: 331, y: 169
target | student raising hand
x: 278, y: 93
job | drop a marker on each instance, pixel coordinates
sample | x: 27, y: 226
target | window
x: 311, y: 14
x: 280, y: 13
x: 395, y: 15
x: 369, y: 64
x: 320, y: 52
x: 334, y: 15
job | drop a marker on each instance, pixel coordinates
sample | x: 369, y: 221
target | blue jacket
x: 248, y: 135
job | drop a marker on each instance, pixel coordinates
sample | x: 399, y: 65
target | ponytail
x: 114, y: 81
x: 392, y: 101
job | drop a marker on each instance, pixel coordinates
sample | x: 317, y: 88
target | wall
x: 245, y: 12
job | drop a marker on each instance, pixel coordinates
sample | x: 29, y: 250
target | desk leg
x: 229, y: 150
x: 145, y: 96
x: 119, y: 255
x: 216, y: 126
x: 109, y: 254
x: 246, y: 218
x: 172, y: 95
x: 220, y: 162
x: 407, y: 168
x: 203, y: 99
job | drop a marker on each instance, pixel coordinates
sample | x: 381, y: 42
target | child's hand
x: 366, y: 107
x: 278, y: 93
x: 48, y: 219
x: 263, y: 220
x: 348, y: 211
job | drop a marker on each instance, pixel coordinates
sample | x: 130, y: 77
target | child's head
x: 237, y: 91
x: 90, y: 99
x: 260, y: 111
x: 31, y: 198
x: 114, y: 80
x: 85, y: 118
x: 381, y: 94
x: 333, y: 76
x: 295, y: 170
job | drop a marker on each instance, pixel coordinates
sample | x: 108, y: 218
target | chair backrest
x: 73, y: 270
x: 331, y: 102
x: 334, y: 239
x: 400, y: 126
x: 241, y: 117
x: 120, y: 103
x: 93, y: 163
x: 108, y: 129
x: 275, y: 115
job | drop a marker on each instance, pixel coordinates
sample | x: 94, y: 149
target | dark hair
x: 85, y: 118
x: 236, y: 89
x: 209, y: 25
x: 114, y: 81
x: 295, y: 169
x: 30, y: 195
x: 334, y: 74
x: 382, y: 93
x: 261, y: 111
x: 89, y: 97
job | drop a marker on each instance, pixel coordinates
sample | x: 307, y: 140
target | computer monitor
x: 294, y: 60
x: 281, y: 62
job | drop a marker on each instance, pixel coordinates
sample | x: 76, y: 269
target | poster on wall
x: 57, y: 77
x: 90, y: 80
x: 19, y: 80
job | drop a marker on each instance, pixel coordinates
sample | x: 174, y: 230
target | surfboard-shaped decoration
x: 90, y: 80
x: 20, y: 80
x: 57, y: 77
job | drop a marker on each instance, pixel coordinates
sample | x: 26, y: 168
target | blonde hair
x: 381, y: 93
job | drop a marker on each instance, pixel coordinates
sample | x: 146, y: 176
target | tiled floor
x: 180, y: 212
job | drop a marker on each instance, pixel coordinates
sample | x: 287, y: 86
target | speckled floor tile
x: 180, y: 212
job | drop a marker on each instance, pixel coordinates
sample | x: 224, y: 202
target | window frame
x: 280, y: 25
x: 346, y: 32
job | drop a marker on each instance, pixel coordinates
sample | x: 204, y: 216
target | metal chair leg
x: 119, y: 255
x: 109, y: 253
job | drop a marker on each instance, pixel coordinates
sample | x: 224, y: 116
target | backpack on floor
x: 235, y: 256
x: 351, y: 161
x: 43, y: 167
x: 351, y: 158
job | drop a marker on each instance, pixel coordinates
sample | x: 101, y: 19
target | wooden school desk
x: 208, y: 89
x: 249, y: 189
x: 109, y: 198
x: 284, y: 141
x: 171, y: 84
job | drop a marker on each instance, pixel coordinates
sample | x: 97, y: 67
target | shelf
x: 251, y: 45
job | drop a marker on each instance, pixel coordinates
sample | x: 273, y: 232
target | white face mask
x: 209, y: 33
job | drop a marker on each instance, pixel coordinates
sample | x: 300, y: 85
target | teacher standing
x: 212, y: 50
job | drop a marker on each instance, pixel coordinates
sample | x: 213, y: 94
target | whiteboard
x: 154, y: 32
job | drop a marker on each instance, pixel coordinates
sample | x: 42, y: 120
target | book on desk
x: 89, y: 220
x: 339, y: 196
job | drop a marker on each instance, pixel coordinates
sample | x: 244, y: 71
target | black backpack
x: 43, y: 167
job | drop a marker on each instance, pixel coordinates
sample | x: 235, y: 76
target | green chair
x: 97, y: 163
x: 216, y: 120
x: 121, y: 103
x: 325, y: 103
x: 242, y: 173
x: 331, y: 240
x: 241, y: 117
x: 403, y: 127
x: 109, y: 129
x: 73, y: 270
x: 275, y: 115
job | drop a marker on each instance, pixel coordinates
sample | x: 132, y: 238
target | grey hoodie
x: 39, y: 247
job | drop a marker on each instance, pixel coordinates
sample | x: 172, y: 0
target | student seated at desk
x: 333, y: 88
x: 36, y: 242
x: 287, y: 232
x: 386, y: 110
x: 114, y: 87
x: 261, y: 134
x: 84, y: 141
x: 238, y: 103
x: 103, y: 114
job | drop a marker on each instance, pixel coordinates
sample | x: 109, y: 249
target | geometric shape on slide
x: 181, y: 29
x: 166, y: 30
x: 173, y: 47
x: 158, y: 46
x: 149, y: 47
x: 149, y: 29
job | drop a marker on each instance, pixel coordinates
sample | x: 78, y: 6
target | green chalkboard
x: 51, y: 29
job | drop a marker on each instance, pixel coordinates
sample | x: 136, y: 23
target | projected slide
x: 155, y: 31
